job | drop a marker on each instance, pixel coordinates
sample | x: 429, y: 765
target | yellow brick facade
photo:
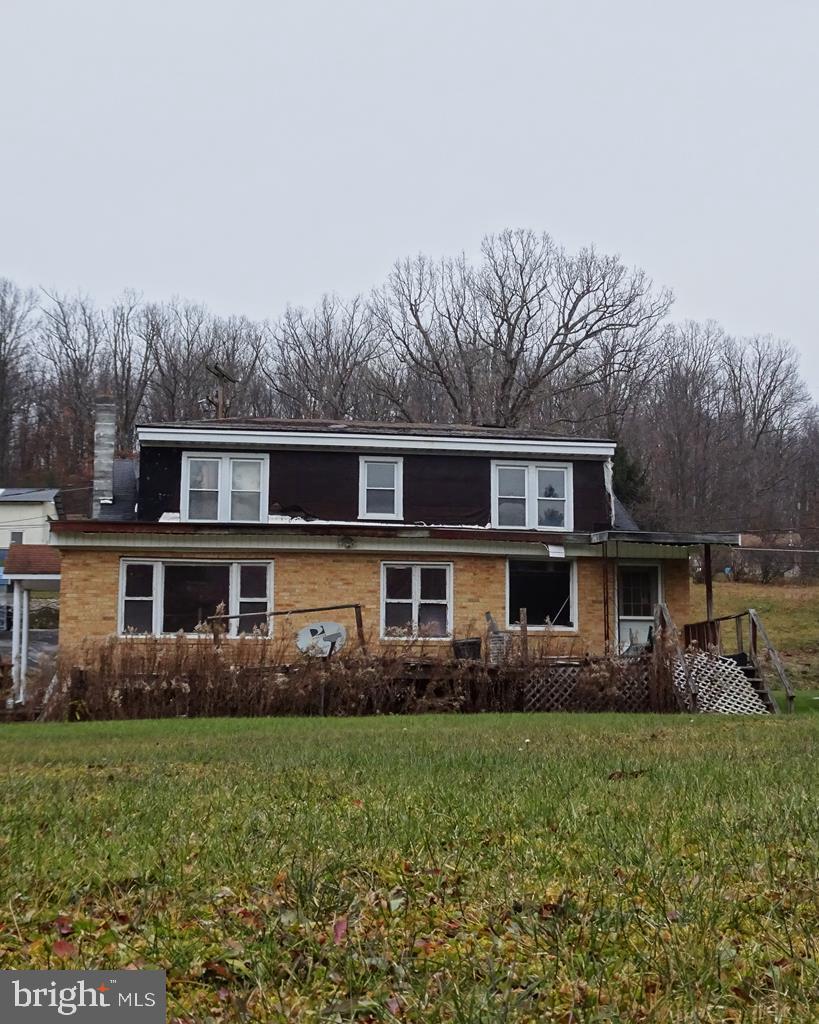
x: 303, y: 579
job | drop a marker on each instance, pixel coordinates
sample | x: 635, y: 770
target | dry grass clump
x: 138, y: 677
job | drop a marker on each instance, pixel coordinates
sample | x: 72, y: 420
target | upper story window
x: 16, y: 537
x: 380, y: 488
x: 224, y: 488
x: 532, y: 495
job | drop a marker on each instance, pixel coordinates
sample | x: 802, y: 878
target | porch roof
x: 27, y: 561
x: 684, y: 539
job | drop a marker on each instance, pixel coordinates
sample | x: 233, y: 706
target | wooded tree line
x: 715, y: 431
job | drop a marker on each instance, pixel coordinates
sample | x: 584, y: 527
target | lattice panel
x: 722, y: 686
x: 552, y: 689
x: 591, y: 685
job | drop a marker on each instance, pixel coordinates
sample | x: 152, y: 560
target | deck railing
x: 717, y: 634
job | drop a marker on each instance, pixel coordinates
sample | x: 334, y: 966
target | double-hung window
x: 380, y: 488
x: 221, y: 488
x: 416, y: 600
x: 532, y: 495
x: 179, y: 596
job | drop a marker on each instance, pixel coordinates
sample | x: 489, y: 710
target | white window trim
x: 531, y: 494
x: 157, y: 595
x: 574, y: 605
x: 416, y: 595
x: 363, y: 461
x: 225, y: 460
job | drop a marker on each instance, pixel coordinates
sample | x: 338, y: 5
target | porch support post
x: 606, y: 600
x: 21, y: 690
x: 16, y: 629
x: 709, y: 582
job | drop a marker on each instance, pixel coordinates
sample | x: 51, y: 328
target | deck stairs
x: 726, y: 665
x: 737, y: 664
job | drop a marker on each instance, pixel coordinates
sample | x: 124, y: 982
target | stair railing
x: 757, y: 631
x: 665, y: 630
x: 707, y: 635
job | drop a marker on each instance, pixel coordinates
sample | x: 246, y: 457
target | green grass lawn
x: 789, y: 612
x: 570, y: 868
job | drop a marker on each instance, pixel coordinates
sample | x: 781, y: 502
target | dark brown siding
x: 322, y: 485
x: 160, y: 475
x: 438, y: 489
x: 591, y: 510
x: 447, y: 489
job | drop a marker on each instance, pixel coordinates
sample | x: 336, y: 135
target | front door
x: 638, y: 591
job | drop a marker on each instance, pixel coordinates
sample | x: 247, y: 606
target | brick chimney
x: 105, y: 428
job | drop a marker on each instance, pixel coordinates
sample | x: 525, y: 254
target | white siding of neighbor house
x: 29, y: 518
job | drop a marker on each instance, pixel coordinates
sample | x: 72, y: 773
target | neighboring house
x: 25, y: 515
x: 427, y: 526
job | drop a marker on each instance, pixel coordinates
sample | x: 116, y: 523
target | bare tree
x: 491, y: 337
x: 321, y: 359
x: 17, y: 308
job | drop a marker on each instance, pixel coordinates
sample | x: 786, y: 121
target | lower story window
x: 173, y: 597
x: 416, y: 599
x: 545, y: 590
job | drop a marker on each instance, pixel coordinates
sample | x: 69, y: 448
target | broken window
x: 544, y: 589
x: 415, y: 600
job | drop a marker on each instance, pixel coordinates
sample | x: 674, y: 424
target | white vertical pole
x: 24, y: 647
x: 16, y: 624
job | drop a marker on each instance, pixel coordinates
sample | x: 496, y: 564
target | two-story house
x: 427, y: 526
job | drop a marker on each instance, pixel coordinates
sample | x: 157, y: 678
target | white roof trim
x: 383, y: 442
x: 31, y: 575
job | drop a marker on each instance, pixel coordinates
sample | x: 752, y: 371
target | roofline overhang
x: 267, y: 439
x: 154, y: 539
x: 68, y: 527
x: 660, y: 537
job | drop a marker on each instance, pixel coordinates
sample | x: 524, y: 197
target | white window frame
x: 17, y: 533
x: 574, y: 604
x: 158, y: 591
x: 531, y: 494
x: 416, y: 600
x: 398, y: 463
x: 225, y: 461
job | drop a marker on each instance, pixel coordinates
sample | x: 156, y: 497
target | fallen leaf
x: 339, y: 930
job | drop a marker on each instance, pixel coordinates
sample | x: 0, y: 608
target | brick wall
x: 90, y: 582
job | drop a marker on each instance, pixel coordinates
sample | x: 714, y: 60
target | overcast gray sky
x: 255, y: 152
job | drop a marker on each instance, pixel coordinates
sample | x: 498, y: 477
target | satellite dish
x: 321, y: 639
